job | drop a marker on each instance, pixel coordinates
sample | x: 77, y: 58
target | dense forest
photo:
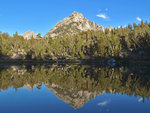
x: 129, y: 42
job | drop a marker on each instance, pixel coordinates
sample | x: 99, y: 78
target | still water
x: 74, y: 89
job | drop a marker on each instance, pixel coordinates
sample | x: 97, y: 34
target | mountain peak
x: 74, y: 14
x: 73, y: 24
x: 29, y: 34
x: 29, y: 31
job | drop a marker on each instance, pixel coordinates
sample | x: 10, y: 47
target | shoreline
x: 78, y: 61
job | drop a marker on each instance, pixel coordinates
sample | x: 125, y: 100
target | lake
x: 74, y: 89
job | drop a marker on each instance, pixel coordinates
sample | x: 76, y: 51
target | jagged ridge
x: 71, y: 25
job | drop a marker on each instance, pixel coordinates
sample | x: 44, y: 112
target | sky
x: 40, y: 16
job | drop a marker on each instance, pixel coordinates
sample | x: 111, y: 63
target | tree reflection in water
x: 77, y: 84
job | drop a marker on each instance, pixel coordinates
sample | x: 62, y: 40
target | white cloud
x: 103, y: 103
x: 140, y: 100
x: 102, y: 16
x: 139, y: 19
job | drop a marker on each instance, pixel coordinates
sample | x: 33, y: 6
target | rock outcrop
x: 110, y: 28
x: 29, y: 34
x: 73, y: 24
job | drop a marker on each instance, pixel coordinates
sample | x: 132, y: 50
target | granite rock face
x: 73, y: 24
x: 110, y: 28
x: 29, y: 34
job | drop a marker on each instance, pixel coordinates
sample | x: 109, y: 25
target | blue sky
x: 41, y: 15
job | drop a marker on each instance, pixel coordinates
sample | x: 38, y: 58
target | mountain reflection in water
x: 77, y: 84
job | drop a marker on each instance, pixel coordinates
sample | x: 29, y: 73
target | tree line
x: 129, y: 42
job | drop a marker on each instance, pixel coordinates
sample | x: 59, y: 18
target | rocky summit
x: 73, y: 24
x: 29, y: 34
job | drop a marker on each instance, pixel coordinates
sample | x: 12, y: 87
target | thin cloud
x: 106, y: 9
x: 99, y: 10
x: 103, y: 16
x: 139, y: 19
x: 104, y: 103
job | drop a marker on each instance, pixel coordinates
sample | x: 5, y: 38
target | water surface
x: 74, y: 89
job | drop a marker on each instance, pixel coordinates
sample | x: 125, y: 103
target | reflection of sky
x: 119, y: 103
x: 140, y: 100
x: 44, y: 101
x: 103, y: 103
